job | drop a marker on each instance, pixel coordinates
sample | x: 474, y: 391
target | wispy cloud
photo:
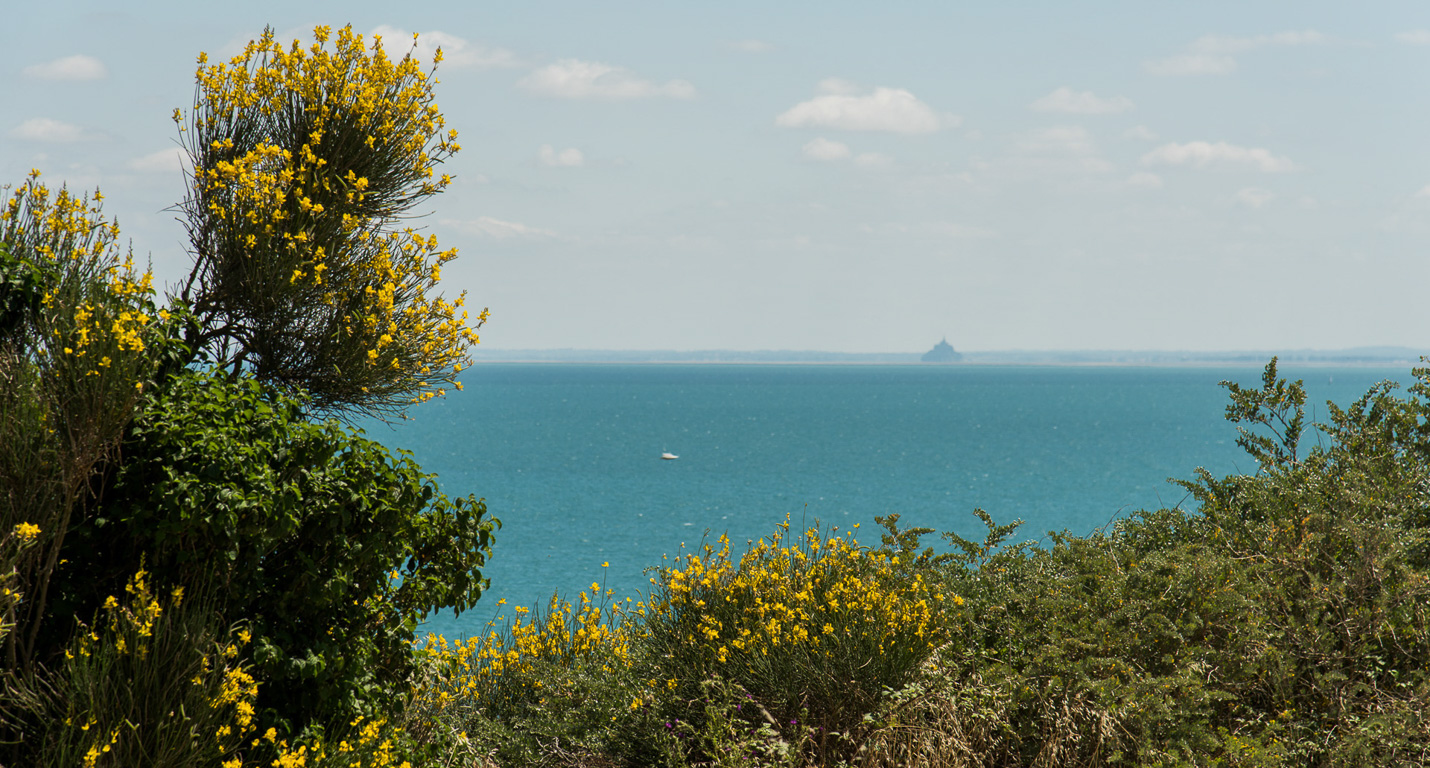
x: 929, y: 229
x: 825, y: 150
x: 165, y: 160
x: 1216, y: 54
x: 1144, y: 180
x: 1066, y: 100
x: 576, y: 79
x: 497, y: 229
x: 1203, y: 154
x: 844, y: 106
x: 1192, y: 64
x: 456, y: 52
x: 51, y: 131
x: 1066, y: 148
x: 550, y: 157
x: 77, y: 67
x: 873, y: 161
x: 1414, y: 37
x: 1140, y: 132
x: 1253, y: 197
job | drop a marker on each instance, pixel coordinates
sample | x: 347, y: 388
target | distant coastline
x: 1338, y: 357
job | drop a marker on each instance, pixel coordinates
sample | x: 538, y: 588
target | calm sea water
x: 568, y: 456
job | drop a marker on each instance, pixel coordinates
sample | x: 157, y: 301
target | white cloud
x: 842, y: 107
x: 874, y: 161
x: 163, y: 161
x: 1253, y: 197
x: 1144, y: 180
x: 497, y: 229
x: 1140, y: 132
x: 77, y: 67
x: 1080, y: 103
x: 1414, y: 37
x: 1201, y: 154
x: 570, y: 157
x: 54, y: 131
x: 825, y: 150
x: 752, y: 46
x: 456, y: 52
x: 1214, y: 54
x: 576, y: 79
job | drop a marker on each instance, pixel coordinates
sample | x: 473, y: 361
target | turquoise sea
x: 569, y: 456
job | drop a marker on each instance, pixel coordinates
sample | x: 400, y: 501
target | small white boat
x: 668, y: 456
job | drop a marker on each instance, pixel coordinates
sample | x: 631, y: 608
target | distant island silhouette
x: 1354, y: 356
x: 942, y: 352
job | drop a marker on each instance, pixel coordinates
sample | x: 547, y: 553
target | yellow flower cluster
x: 67, y: 229
x: 337, y: 142
x: 95, y: 302
x: 98, y: 750
x: 132, y: 626
x: 371, y: 744
x: 814, y: 594
x: 567, y: 635
x: 27, y: 531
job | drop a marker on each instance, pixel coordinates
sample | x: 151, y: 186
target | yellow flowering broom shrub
x: 305, y: 161
x: 362, y: 743
x: 77, y: 323
x: 543, y: 677
x: 312, y: 295
x: 812, y: 626
x: 150, y: 683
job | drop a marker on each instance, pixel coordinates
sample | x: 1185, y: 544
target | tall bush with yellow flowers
x: 305, y: 161
x: 181, y: 439
x: 812, y: 625
x: 75, y: 355
x: 151, y: 683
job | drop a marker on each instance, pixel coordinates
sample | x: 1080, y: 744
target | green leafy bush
x: 331, y: 548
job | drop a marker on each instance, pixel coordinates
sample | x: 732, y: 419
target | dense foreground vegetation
x: 202, y: 565
x: 1286, y: 621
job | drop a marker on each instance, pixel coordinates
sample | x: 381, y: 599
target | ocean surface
x: 569, y: 456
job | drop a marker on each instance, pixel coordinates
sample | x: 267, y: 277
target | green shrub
x: 329, y: 547
x: 1284, y: 622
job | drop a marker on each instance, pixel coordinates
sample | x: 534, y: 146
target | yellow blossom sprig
x: 504, y: 664
x: 79, y: 332
x: 806, y: 621
x: 304, y: 159
x: 94, y: 306
x: 148, y: 641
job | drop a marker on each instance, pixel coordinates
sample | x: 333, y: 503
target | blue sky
x: 842, y: 176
